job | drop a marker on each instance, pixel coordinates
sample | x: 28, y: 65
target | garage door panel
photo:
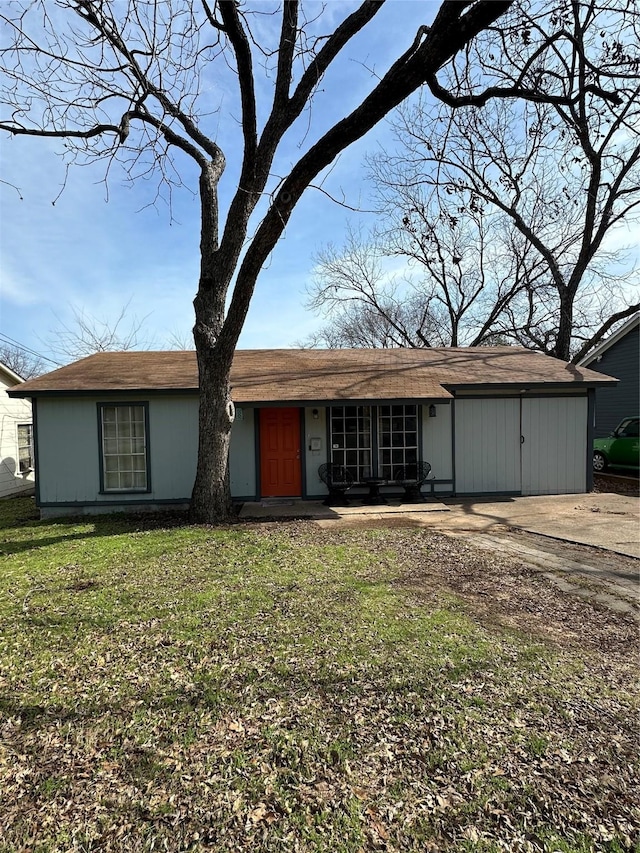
x: 487, y: 446
x: 554, y: 452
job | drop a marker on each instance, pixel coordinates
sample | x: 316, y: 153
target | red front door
x: 280, y: 453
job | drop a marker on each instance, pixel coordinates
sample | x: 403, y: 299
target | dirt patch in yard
x: 502, y: 586
x: 507, y: 590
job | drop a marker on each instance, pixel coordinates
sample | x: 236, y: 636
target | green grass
x: 279, y: 687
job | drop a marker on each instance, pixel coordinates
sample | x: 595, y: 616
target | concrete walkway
x: 606, y: 521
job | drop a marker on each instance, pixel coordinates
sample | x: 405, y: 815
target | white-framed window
x: 351, y: 439
x: 123, y: 430
x: 374, y: 441
x: 25, y: 448
x: 397, y: 438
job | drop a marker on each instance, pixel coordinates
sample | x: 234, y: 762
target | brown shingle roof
x: 261, y: 376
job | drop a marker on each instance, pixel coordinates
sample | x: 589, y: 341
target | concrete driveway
x: 606, y: 521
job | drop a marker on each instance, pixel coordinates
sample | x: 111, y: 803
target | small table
x: 374, y: 498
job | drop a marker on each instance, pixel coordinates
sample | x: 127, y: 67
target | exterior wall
x: 488, y: 455
x: 68, y: 450
x: 437, y: 448
x: 12, y: 413
x: 622, y: 361
x: 242, y: 454
x: 315, y: 430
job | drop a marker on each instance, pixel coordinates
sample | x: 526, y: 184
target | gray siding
x: 622, y: 361
x: 242, y: 455
x: 314, y: 429
x: 69, y: 451
x: 437, y: 448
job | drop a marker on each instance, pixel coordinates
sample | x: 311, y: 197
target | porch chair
x: 412, y: 477
x: 338, y: 480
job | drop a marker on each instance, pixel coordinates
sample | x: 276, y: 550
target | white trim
x: 603, y: 346
x: 13, y: 376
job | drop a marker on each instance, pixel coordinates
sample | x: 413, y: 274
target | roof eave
x: 603, y: 346
x: 101, y: 392
x: 527, y: 385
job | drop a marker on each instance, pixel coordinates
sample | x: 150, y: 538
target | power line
x: 6, y: 339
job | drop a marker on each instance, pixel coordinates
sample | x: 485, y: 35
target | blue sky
x: 96, y: 255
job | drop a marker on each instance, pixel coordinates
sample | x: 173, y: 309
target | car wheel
x: 599, y: 462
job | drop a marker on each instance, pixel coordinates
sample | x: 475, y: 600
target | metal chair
x: 412, y: 477
x: 338, y: 480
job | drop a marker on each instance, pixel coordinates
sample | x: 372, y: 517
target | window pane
x: 140, y: 480
x: 111, y: 481
x: 125, y: 463
x: 124, y: 445
x: 126, y: 480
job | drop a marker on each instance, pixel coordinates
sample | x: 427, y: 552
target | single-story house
x: 120, y: 430
x: 16, y: 438
x: 619, y: 356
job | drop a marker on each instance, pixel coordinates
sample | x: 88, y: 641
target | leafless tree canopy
x: 24, y: 362
x: 86, y: 334
x: 509, y: 215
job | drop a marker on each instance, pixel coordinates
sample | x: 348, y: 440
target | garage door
x: 554, y: 451
x: 487, y: 446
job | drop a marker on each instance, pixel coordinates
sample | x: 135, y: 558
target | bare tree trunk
x: 562, y: 348
x: 211, y: 497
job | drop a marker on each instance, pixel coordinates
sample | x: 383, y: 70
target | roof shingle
x: 305, y: 375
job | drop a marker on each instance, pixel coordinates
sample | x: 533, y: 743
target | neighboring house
x: 16, y: 438
x: 618, y: 356
x: 120, y: 430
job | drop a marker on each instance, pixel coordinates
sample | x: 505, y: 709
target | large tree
x: 131, y: 82
x: 508, y: 212
x: 556, y: 181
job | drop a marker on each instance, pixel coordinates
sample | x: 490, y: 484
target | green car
x: 621, y: 449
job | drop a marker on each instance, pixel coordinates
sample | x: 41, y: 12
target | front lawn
x: 281, y: 687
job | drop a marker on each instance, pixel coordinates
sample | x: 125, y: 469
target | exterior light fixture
x: 432, y: 411
x: 316, y: 414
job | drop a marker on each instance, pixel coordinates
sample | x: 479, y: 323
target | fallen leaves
x: 303, y: 690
